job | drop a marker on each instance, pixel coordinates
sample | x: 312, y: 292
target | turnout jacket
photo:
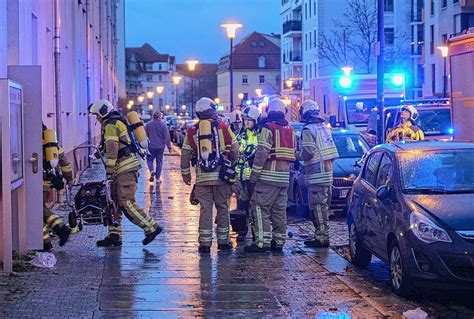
x: 248, y: 141
x: 65, y: 169
x: 405, y: 132
x: 275, y: 152
x: 228, y: 148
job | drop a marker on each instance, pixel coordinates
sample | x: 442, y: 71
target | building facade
x: 256, y: 65
x: 147, y: 70
x: 441, y: 19
x: 329, y: 39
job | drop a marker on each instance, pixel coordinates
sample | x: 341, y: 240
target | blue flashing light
x: 344, y: 131
x: 266, y: 99
x: 451, y: 131
x: 248, y: 102
x: 345, y: 82
x: 398, y: 79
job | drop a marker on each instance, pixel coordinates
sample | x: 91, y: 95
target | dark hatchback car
x: 351, y: 147
x: 413, y: 207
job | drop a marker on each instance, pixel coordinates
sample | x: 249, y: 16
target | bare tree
x: 335, y: 47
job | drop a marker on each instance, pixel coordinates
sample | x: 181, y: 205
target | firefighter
x: 122, y: 167
x: 247, y: 138
x: 270, y: 178
x: 318, y: 152
x: 208, y: 144
x: 406, y: 130
x: 53, y: 178
x: 235, y: 121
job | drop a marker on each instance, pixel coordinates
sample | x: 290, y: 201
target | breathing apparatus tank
x: 205, y: 139
x: 138, y: 129
x: 50, y: 147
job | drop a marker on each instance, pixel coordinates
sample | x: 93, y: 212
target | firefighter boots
x: 109, y: 241
x: 149, y: 238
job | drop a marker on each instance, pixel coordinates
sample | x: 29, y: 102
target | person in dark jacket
x: 159, y: 137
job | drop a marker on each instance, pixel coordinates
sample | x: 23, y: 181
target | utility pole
x: 380, y: 72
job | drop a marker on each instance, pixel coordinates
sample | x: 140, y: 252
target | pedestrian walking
x: 406, y: 129
x: 212, y: 146
x: 318, y: 152
x: 269, y: 179
x: 56, y: 168
x: 122, y: 167
x: 159, y: 137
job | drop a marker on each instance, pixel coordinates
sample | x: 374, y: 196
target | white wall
x: 3, y: 39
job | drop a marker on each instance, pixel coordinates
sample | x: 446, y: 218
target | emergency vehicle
x: 461, y: 61
x: 349, y: 99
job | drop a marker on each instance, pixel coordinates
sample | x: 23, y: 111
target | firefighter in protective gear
x: 318, y: 152
x: 207, y: 151
x: 53, y: 178
x: 406, y: 130
x: 247, y: 138
x: 122, y: 167
x: 269, y: 179
x: 235, y: 121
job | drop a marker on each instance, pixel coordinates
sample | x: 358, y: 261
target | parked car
x: 412, y: 207
x: 434, y: 120
x: 176, y: 125
x: 181, y: 132
x: 351, y: 147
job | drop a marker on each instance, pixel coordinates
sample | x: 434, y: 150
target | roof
x: 247, y: 52
x: 425, y: 146
x: 201, y: 69
x: 147, y: 54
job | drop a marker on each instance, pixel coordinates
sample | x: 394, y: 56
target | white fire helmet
x: 412, y: 110
x: 204, y: 104
x: 309, y: 105
x: 277, y: 105
x: 101, y: 108
x: 235, y: 117
x: 252, y: 112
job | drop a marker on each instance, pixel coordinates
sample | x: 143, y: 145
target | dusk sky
x: 191, y: 28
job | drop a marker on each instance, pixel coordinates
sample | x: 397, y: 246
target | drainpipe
x: 57, y: 68
x: 88, y: 79
x: 101, y: 83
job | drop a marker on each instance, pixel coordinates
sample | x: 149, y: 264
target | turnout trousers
x: 51, y: 221
x: 125, y: 186
x: 209, y: 196
x: 269, y: 214
x: 319, y: 200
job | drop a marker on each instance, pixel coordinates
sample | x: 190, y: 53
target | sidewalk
x: 168, y: 278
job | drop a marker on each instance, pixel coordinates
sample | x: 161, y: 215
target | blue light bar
x: 451, y: 131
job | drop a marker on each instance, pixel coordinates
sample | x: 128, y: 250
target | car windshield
x: 443, y: 171
x: 435, y: 122
x: 350, y: 145
x: 358, y: 110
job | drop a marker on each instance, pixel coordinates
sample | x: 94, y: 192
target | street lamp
x: 141, y: 98
x: 258, y: 92
x: 131, y: 102
x: 183, y: 107
x: 176, y: 79
x: 159, y: 90
x: 444, y: 54
x: 192, y: 67
x: 241, y: 98
x: 150, y: 107
x: 149, y: 95
x: 217, y: 100
x: 231, y: 29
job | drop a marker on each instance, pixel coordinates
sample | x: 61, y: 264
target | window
x: 246, y: 96
x: 160, y: 77
x: 261, y: 79
x: 432, y: 39
x: 306, y: 41
x: 245, y: 79
x: 310, y: 40
x: 253, y: 43
x: 314, y: 38
x: 310, y: 71
x: 262, y: 44
x: 431, y: 7
x: 159, y: 66
x: 388, y: 5
x: 315, y: 72
x: 433, y: 79
x: 444, y: 4
x: 310, y: 3
x: 444, y: 38
x: 385, y: 171
x: 370, y: 170
x: 149, y: 78
x: 455, y: 1
x: 306, y: 11
x: 261, y: 62
x: 389, y: 34
x: 314, y: 8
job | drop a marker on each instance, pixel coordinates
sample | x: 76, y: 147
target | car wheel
x: 400, y: 282
x: 360, y: 256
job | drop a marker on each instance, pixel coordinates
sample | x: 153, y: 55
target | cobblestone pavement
x: 168, y: 278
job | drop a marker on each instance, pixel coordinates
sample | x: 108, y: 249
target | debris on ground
x: 417, y: 313
x: 44, y: 260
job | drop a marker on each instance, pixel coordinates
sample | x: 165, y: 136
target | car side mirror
x: 333, y: 121
x: 383, y: 193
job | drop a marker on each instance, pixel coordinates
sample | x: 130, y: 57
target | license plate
x: 343, y: 193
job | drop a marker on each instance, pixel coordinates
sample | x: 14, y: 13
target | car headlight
x: 426, y: 230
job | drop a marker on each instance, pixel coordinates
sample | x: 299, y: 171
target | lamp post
x: 231, y: 29
x: 444, y: 54
x: 241, y: 98
x: 149, y: 95
x: 159, y: 90
x: 140, y: 100
x: 192, y: 67
x: 183, y: 108
x: 176, y: 79
x: 150, y: 107
x: 167, y: 108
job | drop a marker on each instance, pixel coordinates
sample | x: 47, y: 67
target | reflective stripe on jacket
x: 248, y: 141
x: 275, y: 151
x: 405, y: 132
x: 65, y: 168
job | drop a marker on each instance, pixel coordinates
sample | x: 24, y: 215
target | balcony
x: 292, y: 28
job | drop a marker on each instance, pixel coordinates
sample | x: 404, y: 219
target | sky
x: 191, y: 28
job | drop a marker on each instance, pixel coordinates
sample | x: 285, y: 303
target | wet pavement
x: 170, y: 279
